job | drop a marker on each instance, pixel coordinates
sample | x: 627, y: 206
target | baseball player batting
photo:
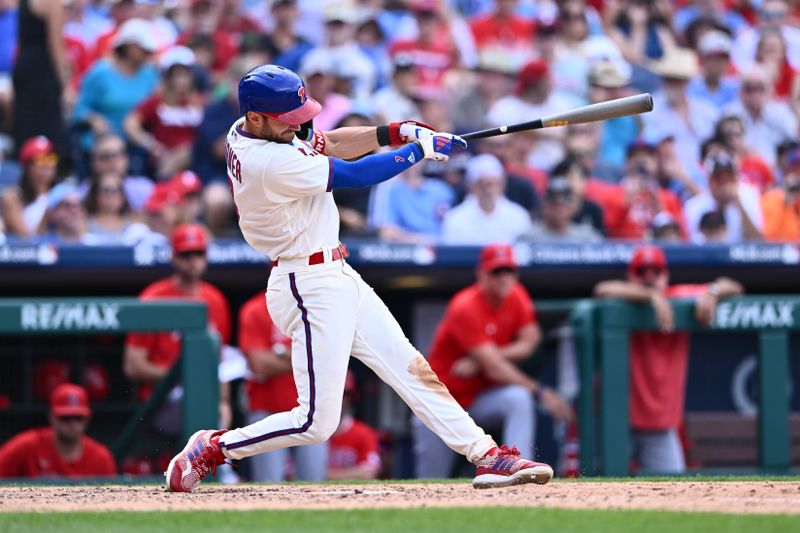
x: 282, y: 187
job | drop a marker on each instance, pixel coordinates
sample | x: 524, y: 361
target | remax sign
x: 755, y: 315
x: 69, y: 316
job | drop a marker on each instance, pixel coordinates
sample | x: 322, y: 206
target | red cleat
x: 504, y: 467
x: 201, y: 455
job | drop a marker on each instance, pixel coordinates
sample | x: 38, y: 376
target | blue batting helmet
x: 278, y: 93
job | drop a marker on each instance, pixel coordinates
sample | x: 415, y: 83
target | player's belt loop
x: 340, y: 252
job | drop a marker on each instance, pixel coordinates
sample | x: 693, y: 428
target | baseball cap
x: 189, y: 238
x: 712, y: 221
x: 647, y: 256
x: 495, y: 256
x: 69, y: 399
x: 607, y: 75
x: 678, y: 64
x: 185, y: 182
x: 33, y: 147
x: 715, y: 43
x: 484, y: 166
x: 136, y: 31
x: 719, y: 162
x: 640, y: 143
x: 531, y: 73
x: 177, y: 55
x: 163, y: 193
x: 663, y: 220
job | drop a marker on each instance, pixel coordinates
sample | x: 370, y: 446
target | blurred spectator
x: 219, y: 211
x: 41, y: 75
x: 664, y: 228
x: 320, y: 78
x: 205, y: 24
x: 716, y: 10
x: 715, y: 85
x: 485, y: 215
x: 659, y: 359
x: 24, y: 206
x: 641, y: 32
x: 62, y: 449
x: 738, y: 202
x: 670, y: 172
x: 587, y: 212
x: 119, y: 12
x: 503, y: 30
x: 533, y: 98
x: 689, y: 121
x: 164, y: 124
x: 344, y: 59
x: 520, y: 183
x: 270, y: 389
x: 487, y: 330
x: 577, y: 49
x: 395, y: 102
x: 629, y: 214
x: 109, y: 155
x: 148, y: 357
x: 771, y: 56
x: 485, y: 85
x: 115, y: 85
x: 372, y: 41
x: 83, y: 24
x: 714, y: 228
x: 558, y: 207
x: 432, y: 52
x: 109, y: 215
x: 772, y: 15
x: 162, y: 29
x: 781, y: 205
x: 291, y: 46
x: 755, y: 170
x: 416, y: 207
x: 609, y: 80
x: 10, y: 170
x: 65, y: 218
x: 353, y: 448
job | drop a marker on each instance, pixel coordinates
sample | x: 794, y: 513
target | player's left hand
x: 411, y: 130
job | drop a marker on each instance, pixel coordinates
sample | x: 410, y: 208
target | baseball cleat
x: 201, y: 455
x: 504, y: 467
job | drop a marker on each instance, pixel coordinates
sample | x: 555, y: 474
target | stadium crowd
x: 113, y: 114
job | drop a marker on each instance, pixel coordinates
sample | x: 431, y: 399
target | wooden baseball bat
x: 620, y: 107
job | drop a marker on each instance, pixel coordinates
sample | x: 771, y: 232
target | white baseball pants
x: 329, y: 312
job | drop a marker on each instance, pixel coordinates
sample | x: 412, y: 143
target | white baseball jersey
x: 282, y: 194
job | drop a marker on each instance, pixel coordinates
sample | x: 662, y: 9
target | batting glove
x: 439, y: 145
x: 409, y: 131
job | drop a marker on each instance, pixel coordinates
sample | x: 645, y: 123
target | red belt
x: 340, y: 252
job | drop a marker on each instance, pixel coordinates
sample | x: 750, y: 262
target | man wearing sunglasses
x: 487, y: 330
x: 659, y: 359
x: 62, y: 449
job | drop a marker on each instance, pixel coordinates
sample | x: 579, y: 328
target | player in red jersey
x: 61, y: 449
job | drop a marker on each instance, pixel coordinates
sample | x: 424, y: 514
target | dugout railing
x: 602, y: 331
x: 196, y: 370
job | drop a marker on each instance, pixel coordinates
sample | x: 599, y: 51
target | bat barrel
x: 621, y: 107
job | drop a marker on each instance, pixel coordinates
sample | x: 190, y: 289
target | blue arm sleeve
x: 373, y: 168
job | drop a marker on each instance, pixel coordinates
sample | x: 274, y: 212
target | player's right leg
x: 381, y: 344
x: 316, y: 307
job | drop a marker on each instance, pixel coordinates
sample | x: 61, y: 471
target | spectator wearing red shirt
x: 353, y: 448
x: 62, y: 449
x: 487, y: 329
x: 165, y: 124
x: 432, y: 53
x: 503, y: 30
x: 270, y: 389
x: 149, y: 356
x: 659, y: 359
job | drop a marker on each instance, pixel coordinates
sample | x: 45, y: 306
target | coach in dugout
x: 659, y: 359
x: 488, y: 328
x: 61, y: 449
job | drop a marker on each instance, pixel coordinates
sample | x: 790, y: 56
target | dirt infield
x: 720, y: 496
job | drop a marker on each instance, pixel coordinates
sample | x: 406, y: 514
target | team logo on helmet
x: 301, y: 92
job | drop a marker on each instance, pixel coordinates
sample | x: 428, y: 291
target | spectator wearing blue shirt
x: 713, y: 84
x: 292, y: 48
x: 8, y: 47
x: 114, y: 86
x: 708, y: 9
x: 415, y: 208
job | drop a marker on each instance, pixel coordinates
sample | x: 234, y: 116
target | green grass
x: 492, y: 519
